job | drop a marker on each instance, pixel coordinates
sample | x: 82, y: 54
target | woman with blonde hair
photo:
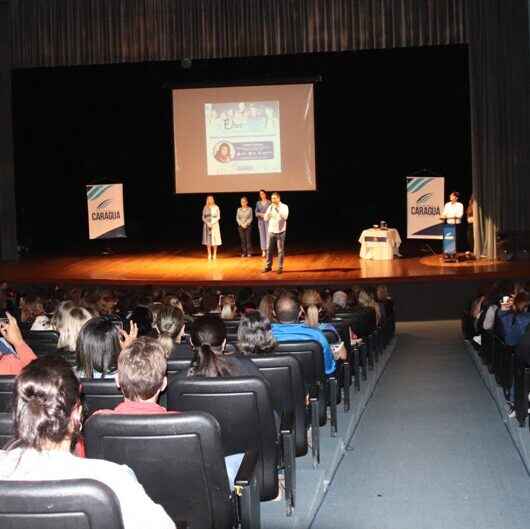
x: 266, y: 307
x: 365, y: 299
x: 68, y: 322
x: 228, y: 308
x: 211, y: 232
x: 311, y: 303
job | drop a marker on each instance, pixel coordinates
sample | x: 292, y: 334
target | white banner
x: 106, y: 216
x: 425, y: 203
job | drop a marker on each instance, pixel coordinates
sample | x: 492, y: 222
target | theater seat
x: 100, y: 394
x: 7, y: 429
x: 42, y: 342
x: 72, y: 504
x: 179, y: 460
x: 7, y: 385
x: 287, y: 390
x: 243, y: 407
x: 309, y: 354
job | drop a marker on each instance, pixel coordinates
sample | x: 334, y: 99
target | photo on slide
x: 243, y: 138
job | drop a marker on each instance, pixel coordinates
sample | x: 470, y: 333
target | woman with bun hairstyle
x: 47, y: 413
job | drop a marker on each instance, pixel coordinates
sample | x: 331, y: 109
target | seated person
x: 208, y: 338
x: 312, y: 309
x: 514, y: 318
x: 98, y: 346
x: 209, y: 304
x: 15, y: 353
x: 47, y: 421
x: 254, y: 335
x: 340, y: 300
x: 288, y: 328
x: 228, y: 308
x: 266, y: 307
x: 143, y: 319
x: 170, y: 326
x: 68, y: 322
x: 522, y: 350
x: 141, y: 378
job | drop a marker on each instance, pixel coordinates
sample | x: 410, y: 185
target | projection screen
x: 244, y: 138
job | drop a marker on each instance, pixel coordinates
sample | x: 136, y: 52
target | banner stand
x: 106, y: 214
x: 425, y: 203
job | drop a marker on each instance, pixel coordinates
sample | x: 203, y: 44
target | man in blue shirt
x: 288, y: 312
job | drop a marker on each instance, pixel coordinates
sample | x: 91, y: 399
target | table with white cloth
x: 379, y: 245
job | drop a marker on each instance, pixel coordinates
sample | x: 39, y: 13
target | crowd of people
x: 501, y: 310
x: 129, y: 335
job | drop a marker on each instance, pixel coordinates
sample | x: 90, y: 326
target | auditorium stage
x: 338, y: 267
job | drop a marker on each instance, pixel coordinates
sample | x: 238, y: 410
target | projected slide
x: 243, y: 138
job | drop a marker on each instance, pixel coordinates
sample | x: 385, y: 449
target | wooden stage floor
x: 340, y: 267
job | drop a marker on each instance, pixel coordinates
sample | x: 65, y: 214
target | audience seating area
x: 504, y: 368
x: 179, y: 457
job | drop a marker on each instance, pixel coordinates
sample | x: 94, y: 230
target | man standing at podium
x: 453, y: 213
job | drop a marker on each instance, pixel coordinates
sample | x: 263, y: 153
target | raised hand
x: 127, y: 338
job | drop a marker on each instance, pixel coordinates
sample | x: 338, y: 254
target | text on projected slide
x: 243, y: 138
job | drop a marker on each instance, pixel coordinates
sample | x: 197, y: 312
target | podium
x: 449, y: 240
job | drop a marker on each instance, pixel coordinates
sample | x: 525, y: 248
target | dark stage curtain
x: 72, y: 32
x: 8, y: 235
x: 499, y: 79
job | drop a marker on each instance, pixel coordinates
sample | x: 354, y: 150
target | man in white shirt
x: 453, y: 210
x: 453, y: 213
x: 276, y: 215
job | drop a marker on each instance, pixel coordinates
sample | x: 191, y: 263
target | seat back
x: 76, y: 504
x: 243, y: 407
x: 311, y: 357
x: 287, y: 391
x: 7, y: 386
x: 42, y: 342
x: 178, y: 458
x: 100, y: 394
x: 7, y: 429
x: 232, y: 327
x: 178, y: 365
x: 331, y: 337
x: 361, y: 319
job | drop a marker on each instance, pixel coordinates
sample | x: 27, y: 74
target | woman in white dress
x: 211, y: 233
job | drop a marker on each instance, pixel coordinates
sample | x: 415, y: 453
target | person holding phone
x: 15, y: 353
x: 514, y: 317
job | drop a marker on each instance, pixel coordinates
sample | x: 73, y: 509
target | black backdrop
x: 380, y: 115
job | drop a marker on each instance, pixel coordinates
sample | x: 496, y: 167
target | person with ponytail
x: 170, y: 326
x: 47, y: 419
x: 312, y: 308
x: 208, y: 337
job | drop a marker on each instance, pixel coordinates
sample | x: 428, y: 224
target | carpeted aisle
x: 431, y: 450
